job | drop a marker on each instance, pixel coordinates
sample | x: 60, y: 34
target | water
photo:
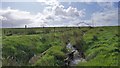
x: 75, y: 61
x: 76, y: 58
x: 70, y: 48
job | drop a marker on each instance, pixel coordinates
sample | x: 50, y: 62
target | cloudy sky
x: 55, y: 13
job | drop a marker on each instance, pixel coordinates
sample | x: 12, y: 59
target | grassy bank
x: 100, y: 45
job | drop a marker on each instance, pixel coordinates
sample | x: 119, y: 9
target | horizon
x: 61, y: 27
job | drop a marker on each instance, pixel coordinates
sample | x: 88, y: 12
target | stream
x: 76, y: 56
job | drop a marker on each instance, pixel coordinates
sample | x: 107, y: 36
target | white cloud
x: 53, y: 13
x: 12, y: 17
x: 69, y: 12
x: 17, y: 18
x: 49, y: 2
x: 57, y: 10
x: 80, y: 0
x: 109, y: 17
x: 60, y: 16
x: 60, y: 0
x: 106, y: 5
x: 56, y: 14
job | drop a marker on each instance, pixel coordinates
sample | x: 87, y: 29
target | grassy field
x: 100, y: 45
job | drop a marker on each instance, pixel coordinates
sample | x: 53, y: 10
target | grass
x: 100, y: 45
x: 53, y: 57
x: 104, y: 51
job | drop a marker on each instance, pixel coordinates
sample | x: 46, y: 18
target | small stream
x: 76, y: 56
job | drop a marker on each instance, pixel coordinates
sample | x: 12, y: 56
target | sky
x: 53, y: 13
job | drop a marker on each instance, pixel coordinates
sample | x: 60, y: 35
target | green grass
x: 105, y: 50
x: 100, y: 45
x: 53, y: 57
x: 24, y: 47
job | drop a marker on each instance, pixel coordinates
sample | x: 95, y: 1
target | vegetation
x: 54, y: 57
x: 100, y: 45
